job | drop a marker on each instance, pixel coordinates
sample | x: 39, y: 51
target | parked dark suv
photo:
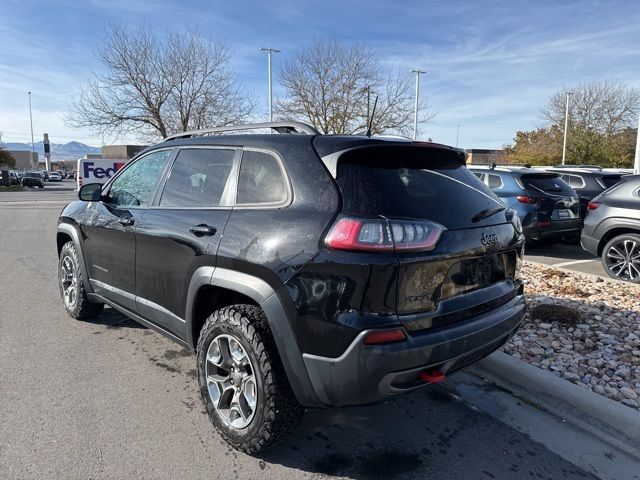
x: 548, y: 208
x: 305, y: 270
x: 32, y: 179
x: 612, y: 229
x: 587, y: 182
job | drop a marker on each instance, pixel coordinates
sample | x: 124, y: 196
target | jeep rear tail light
x: 382, y: 235
x: 527, y: 199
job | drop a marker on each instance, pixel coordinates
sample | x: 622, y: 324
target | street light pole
x: 31, y: 122
x: 415, y: 113
x: 566, y: 126
x: 636, y: 162
x: 269, y: 51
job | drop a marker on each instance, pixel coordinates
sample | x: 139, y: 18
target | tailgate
x: 488, y: 256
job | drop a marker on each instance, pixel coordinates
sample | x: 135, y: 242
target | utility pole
x: 636, y: 162
x: 415, y: 113
x: 368, y: 103
x: 566, y: 127
x: 31, y: 121
x: 269, y: 51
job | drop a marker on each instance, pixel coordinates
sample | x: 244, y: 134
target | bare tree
x: 152, y: 87
x: 601, y: 114
x: 333, y: 87
x: 605, y: 107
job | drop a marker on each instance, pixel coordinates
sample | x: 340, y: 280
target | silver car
x: 612, y: 229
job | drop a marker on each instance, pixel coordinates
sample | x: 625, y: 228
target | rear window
x: 610, y: 180
x: 546, y: 183
x: 412, y: 183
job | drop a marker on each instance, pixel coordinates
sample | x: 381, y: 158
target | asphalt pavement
x: 112, y: 399
x: 562, y: 255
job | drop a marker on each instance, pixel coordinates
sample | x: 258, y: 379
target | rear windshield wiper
x: 486, y: 213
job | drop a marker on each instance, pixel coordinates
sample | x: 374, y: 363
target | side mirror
x: 91, y: 192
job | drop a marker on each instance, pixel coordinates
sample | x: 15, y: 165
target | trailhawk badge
x: 489, y: 239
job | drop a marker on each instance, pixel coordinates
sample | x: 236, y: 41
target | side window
x: 261, y: 179
x: 478, y: 174
x: 576, y: 181
x: 199, y: 177
x: 494, y: 181
x: 134, y: 186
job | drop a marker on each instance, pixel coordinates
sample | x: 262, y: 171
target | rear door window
x: 412, y: 183
x: 493, y: 181
x: 200, y: 177
x: 574, y: 181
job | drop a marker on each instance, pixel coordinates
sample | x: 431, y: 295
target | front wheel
x: 72, y: 286
x: 621, y: 257
x: 242, y: 381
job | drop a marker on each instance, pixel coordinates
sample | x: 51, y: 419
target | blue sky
x: 490, y: 66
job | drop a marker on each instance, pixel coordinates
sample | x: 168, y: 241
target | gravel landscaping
x: 584, y: 329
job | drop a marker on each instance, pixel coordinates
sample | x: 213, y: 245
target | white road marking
x: 574, y: 262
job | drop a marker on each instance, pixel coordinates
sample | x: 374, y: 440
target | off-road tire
x: 83, y: 309
x: 277, y: 411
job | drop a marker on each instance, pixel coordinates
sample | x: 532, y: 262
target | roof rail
x: 280, y: 127
x: 586, y: 167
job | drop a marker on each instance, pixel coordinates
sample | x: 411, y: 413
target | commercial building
x: 25, y: 160
x: 480, y: 156
x: 117, y: 152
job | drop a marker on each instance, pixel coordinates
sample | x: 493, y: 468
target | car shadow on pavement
x: 113, y: 319
x: 564, y: 251
x: 430, y: 433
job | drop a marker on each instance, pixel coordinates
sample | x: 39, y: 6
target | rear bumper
x: 589, y: 244
x: 553, y: 229
x: 366, y: 374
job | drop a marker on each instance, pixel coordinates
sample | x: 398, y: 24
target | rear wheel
x: 242, y: 382
x: 621, y: 257
x: 72, y: 287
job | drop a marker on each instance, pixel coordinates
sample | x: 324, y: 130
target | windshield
x: 610, y: 180
x: 548, y: 183
x: 412, y: 183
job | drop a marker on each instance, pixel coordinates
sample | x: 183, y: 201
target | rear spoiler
x: 447, y: 153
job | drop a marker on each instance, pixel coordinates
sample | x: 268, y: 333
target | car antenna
x: 373, y: 112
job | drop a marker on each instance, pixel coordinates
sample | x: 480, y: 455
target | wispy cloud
x: 490, y: 66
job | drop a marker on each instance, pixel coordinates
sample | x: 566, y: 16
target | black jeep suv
x: 304, y: 270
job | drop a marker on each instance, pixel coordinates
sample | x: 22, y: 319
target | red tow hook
x: 432, y: 376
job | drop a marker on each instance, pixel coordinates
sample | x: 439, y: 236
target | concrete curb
x: 612, y: 422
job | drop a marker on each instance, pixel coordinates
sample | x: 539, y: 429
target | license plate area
x: 478, y: 272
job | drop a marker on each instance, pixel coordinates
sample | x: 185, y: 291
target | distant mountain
x: 59, y: 151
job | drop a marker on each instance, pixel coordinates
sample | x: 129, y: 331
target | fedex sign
x: 97, y: 170
x: 90, y: 169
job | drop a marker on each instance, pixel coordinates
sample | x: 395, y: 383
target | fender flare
x: 612, y: 223
x: 266, y: 297
x: 75, y: 237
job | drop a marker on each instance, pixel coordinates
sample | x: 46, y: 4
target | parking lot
x: 111, y: 399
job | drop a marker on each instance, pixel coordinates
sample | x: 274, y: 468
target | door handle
x: 127, y: 222
x: 202, y: 230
